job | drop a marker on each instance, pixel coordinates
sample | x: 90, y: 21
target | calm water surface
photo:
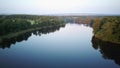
x: 68, y: 47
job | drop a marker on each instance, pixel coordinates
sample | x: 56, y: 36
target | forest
x: 16, y: 23
x: 107, y: 29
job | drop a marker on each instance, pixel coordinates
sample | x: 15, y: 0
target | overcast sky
x: 59, y: 6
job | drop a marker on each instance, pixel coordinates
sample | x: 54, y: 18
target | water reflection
x: 7, y: 42
x: 108, y: 50
x: 77, y: 20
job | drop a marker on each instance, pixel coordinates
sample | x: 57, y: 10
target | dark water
x: 72, y: 46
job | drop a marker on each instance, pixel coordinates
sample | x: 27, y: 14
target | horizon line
x: 63, y: 14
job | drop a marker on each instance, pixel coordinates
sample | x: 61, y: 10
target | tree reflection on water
x: 108, y: 50
x: 6, y: 42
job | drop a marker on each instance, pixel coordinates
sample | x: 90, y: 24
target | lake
x: 71, y: 46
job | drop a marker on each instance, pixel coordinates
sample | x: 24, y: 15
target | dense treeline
x: 88, y: 20
x: 105, y: 28
x: 15, y: 23
x: 108, y: 29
